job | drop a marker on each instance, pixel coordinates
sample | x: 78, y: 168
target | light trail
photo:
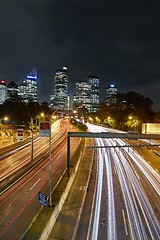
x: 24, y: 195
x: 98, y: 196
x: 18, y: 163
x: 104, y: 159
x: 140, y: 221
x: 138, y: 194
x: 112, y: 231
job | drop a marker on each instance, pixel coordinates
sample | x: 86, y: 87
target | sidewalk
x: 61, y: 221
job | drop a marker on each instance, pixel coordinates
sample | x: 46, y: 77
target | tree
x: 129, y: 104
x: 21, y: 113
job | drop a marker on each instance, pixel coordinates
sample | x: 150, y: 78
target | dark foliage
x: 129, y: 104
x: 19, y: 112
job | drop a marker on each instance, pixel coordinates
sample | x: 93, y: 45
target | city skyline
x: 31, y: 80
x: 118, y: 41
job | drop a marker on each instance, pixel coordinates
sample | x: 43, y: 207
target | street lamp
x: 50, y: 160
x: 6, y: 119
x: 54, y: 117
x: 31, y: 139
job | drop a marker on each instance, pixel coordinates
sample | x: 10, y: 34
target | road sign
x: 44, y: 129
x: 20, y: 134
x: 42, y: 198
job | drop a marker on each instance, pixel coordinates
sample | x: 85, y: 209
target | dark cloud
x: 115, y: 40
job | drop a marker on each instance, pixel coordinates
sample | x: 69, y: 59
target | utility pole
x: 31, y: 139
x: 50, y: 160
x: 45, y: 131
x: 50, y: 167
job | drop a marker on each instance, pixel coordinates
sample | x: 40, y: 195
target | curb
x: 51, y: 221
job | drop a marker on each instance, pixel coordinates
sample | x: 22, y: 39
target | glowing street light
x: 6, y: 118
x: 54, y: 117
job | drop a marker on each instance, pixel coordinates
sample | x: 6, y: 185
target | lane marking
x: 125, y: 224
x: 35, y: 184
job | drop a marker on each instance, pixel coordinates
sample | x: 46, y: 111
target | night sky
x: 116, y: 40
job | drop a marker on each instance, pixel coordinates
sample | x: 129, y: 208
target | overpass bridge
x: 129, y: 136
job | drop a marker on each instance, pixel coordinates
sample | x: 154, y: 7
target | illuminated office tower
x: 12, y: 90
x: 83, y: 94
x: 70, y: 102
x: 3, y: 91
x: 59, y: 99
x: 28, y: 89
x: 111, y: 95
x: 94, y: 82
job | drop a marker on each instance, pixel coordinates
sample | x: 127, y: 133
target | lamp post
x: 31, y: 139
x: 45, y: 131
x: 5, y: 119
x: 50, y: 160
x: 50, y: 167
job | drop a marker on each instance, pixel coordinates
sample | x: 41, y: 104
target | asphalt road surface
x: 126, y: 202
x: 122, y: 196
x: 19, y: 201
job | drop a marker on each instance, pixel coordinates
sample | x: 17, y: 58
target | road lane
x: 139, y: 216
x: 98, y: 196
x: 19, y: 204
x: 18, y: 159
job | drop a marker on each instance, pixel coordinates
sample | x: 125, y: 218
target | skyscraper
x: 87, y: 93
x: 12, y: 90
x: 3, y: 91
x: 59, y: 99
x: 111, y: 93
x: 94, y: 82
x: 28, y: 89
x: 83, y: 94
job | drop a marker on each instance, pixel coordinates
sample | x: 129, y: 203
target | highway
x: 123, y: 202
x: 127, y: 197
x: 20, y: 157
x: 19, y: 198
